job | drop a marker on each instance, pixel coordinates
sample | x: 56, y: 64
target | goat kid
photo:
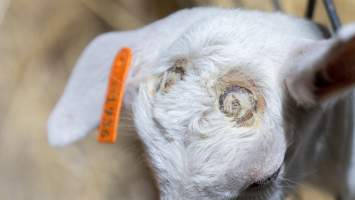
x: 228, y: 103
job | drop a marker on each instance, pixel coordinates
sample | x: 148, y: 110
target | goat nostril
x: 266, y: 181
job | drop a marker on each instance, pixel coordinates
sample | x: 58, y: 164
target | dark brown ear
x: 325, y: 71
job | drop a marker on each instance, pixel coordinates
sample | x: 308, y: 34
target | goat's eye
x: 238, y: 103
x: 172, y: 75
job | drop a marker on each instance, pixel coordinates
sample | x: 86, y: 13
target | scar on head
x: 172, y: 75
x: 240, y: 99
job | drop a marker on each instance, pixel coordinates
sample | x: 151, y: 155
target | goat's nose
x: 274, y: 176
x: 266, y: 181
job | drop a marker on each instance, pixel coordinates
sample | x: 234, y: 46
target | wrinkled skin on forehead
x: 213, y: 93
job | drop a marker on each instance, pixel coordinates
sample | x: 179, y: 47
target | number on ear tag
x: 114, y: 97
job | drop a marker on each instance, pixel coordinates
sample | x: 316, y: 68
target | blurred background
x: 40, y: 41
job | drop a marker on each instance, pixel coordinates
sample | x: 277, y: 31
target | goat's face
x: 215, y: 129
x: 211, y: 114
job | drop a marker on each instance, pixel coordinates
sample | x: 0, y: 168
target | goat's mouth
x: 262, y: 188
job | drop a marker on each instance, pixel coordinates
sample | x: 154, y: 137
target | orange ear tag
x: 114, y: 95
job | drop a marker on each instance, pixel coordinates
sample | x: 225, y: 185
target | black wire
x: 332, y: 14
x: 310, y: 9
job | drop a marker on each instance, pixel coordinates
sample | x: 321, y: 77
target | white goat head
x: 208, y: 91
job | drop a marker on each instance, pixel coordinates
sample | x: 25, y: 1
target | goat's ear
x: 79, y: 109
x: 324, y: 70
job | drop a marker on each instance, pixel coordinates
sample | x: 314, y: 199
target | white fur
x: 195, y: 150
x: 78, y: 111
